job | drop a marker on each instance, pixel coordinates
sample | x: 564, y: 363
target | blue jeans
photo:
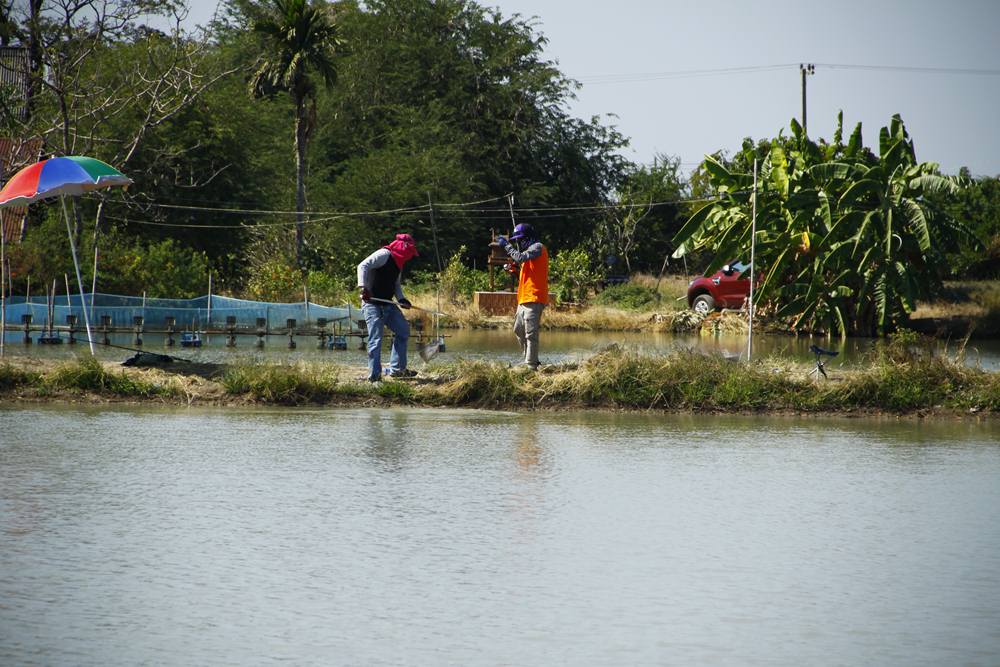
x: 378, y: 316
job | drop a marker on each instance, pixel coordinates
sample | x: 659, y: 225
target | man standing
x: 379, y: 281
x: 532, y: 287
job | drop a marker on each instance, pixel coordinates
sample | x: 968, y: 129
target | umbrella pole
x: 79, y: 280
x: 3, y: 291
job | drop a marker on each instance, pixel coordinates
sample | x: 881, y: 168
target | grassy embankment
x: 904, y: 377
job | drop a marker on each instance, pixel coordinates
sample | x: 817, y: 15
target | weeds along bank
x: 899, y: 381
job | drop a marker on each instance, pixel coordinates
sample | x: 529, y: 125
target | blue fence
x: 200, y: 313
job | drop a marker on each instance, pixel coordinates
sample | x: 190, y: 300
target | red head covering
x: 403, y: 249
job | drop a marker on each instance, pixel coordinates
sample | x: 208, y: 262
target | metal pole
x: 437, y: 253
x: 93, y: 284
x: 753, y: 267
x: 208, y: 315
x: 3, y: 291
x: 805, y: 70
x: 79, y: 280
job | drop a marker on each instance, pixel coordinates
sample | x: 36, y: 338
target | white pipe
x: 79, y: 280
x: 3, y: 291
x: 753, y: 267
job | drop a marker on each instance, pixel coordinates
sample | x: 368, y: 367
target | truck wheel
x: 703, y: 304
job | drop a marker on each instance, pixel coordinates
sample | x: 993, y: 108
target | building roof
x: 14, y: 67
x: 16, y: 154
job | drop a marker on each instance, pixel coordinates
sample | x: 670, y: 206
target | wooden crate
x: 495, y: 303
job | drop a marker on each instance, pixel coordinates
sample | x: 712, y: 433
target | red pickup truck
x: 726, y: 288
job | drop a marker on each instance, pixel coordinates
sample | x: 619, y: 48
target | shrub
x: 12, y: 378
x: 628, y: 296
x: 572, y: 275
x: 458, y: 281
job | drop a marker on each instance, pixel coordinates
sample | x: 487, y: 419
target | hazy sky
x: 640, y: 61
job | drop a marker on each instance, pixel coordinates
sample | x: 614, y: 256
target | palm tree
x: 299, y: 38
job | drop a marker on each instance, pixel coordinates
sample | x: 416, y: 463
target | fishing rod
x: 130, y: 349
x: 393, y: 303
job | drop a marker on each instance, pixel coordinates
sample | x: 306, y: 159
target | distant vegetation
x: 278, y: 164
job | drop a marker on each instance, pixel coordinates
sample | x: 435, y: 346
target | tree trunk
x: 300, y: 178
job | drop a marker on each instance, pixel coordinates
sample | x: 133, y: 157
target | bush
x: 572, y: 275
x: 161, y: 269
x: 275, y: 280
x: 327, y: 289
x: 12, y: 378
x: 628, y: 296
x: 458, y: 281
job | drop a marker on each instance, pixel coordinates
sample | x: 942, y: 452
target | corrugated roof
x: 14, y: 155
x: 14, y: 65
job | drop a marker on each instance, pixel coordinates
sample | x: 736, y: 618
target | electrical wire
x: 537, y: 213
x: 600, y: 79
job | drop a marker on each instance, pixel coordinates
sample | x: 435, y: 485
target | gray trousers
x: 527, y: 322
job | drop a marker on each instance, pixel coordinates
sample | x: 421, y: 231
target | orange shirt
x: 533, y: 284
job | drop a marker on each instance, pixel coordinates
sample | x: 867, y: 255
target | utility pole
x: 805, y: 69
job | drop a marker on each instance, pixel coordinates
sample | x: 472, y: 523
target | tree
x: 847, y: 241
x: 457, y: 100
x: 299, y: 38
x: 646, y: 214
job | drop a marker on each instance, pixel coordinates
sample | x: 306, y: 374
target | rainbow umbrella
x: 61, y: 177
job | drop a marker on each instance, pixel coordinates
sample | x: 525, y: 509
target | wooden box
x: 495, y: 303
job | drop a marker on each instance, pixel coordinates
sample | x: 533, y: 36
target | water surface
x: 398, y: 537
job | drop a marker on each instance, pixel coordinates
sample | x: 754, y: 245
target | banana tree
x: 846, y: 240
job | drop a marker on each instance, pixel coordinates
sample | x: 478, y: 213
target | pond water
x: 395, y: 537
x: 500, y: 345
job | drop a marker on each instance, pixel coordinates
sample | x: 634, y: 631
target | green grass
x: 288, y: 385
x: 89, y: 375
x: 12, y: 378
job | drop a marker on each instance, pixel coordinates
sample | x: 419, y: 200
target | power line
x: 600, y: 79
x: 537, y: 212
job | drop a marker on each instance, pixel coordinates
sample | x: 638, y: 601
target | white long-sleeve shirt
x: 374, y: 261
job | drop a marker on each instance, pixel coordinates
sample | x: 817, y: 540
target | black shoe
x: 404, y: 373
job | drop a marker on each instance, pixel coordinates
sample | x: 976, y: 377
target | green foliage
x: 12, y: 378
x: 977, y: 206
x: 127, y: 265
x: 846, y: 241
x: 458, y: 281
x: 572, y: 275
x: 636, y: 233
x: 289, y: 385
x: 276, y: 280
x: 628, y: 296
x: 443, y: 98
x: 328, y: 290
x: 160, y: 269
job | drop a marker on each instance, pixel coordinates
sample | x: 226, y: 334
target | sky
x: 662, y: 72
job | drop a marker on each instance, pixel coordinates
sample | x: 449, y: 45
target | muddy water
x: 419, y: 537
